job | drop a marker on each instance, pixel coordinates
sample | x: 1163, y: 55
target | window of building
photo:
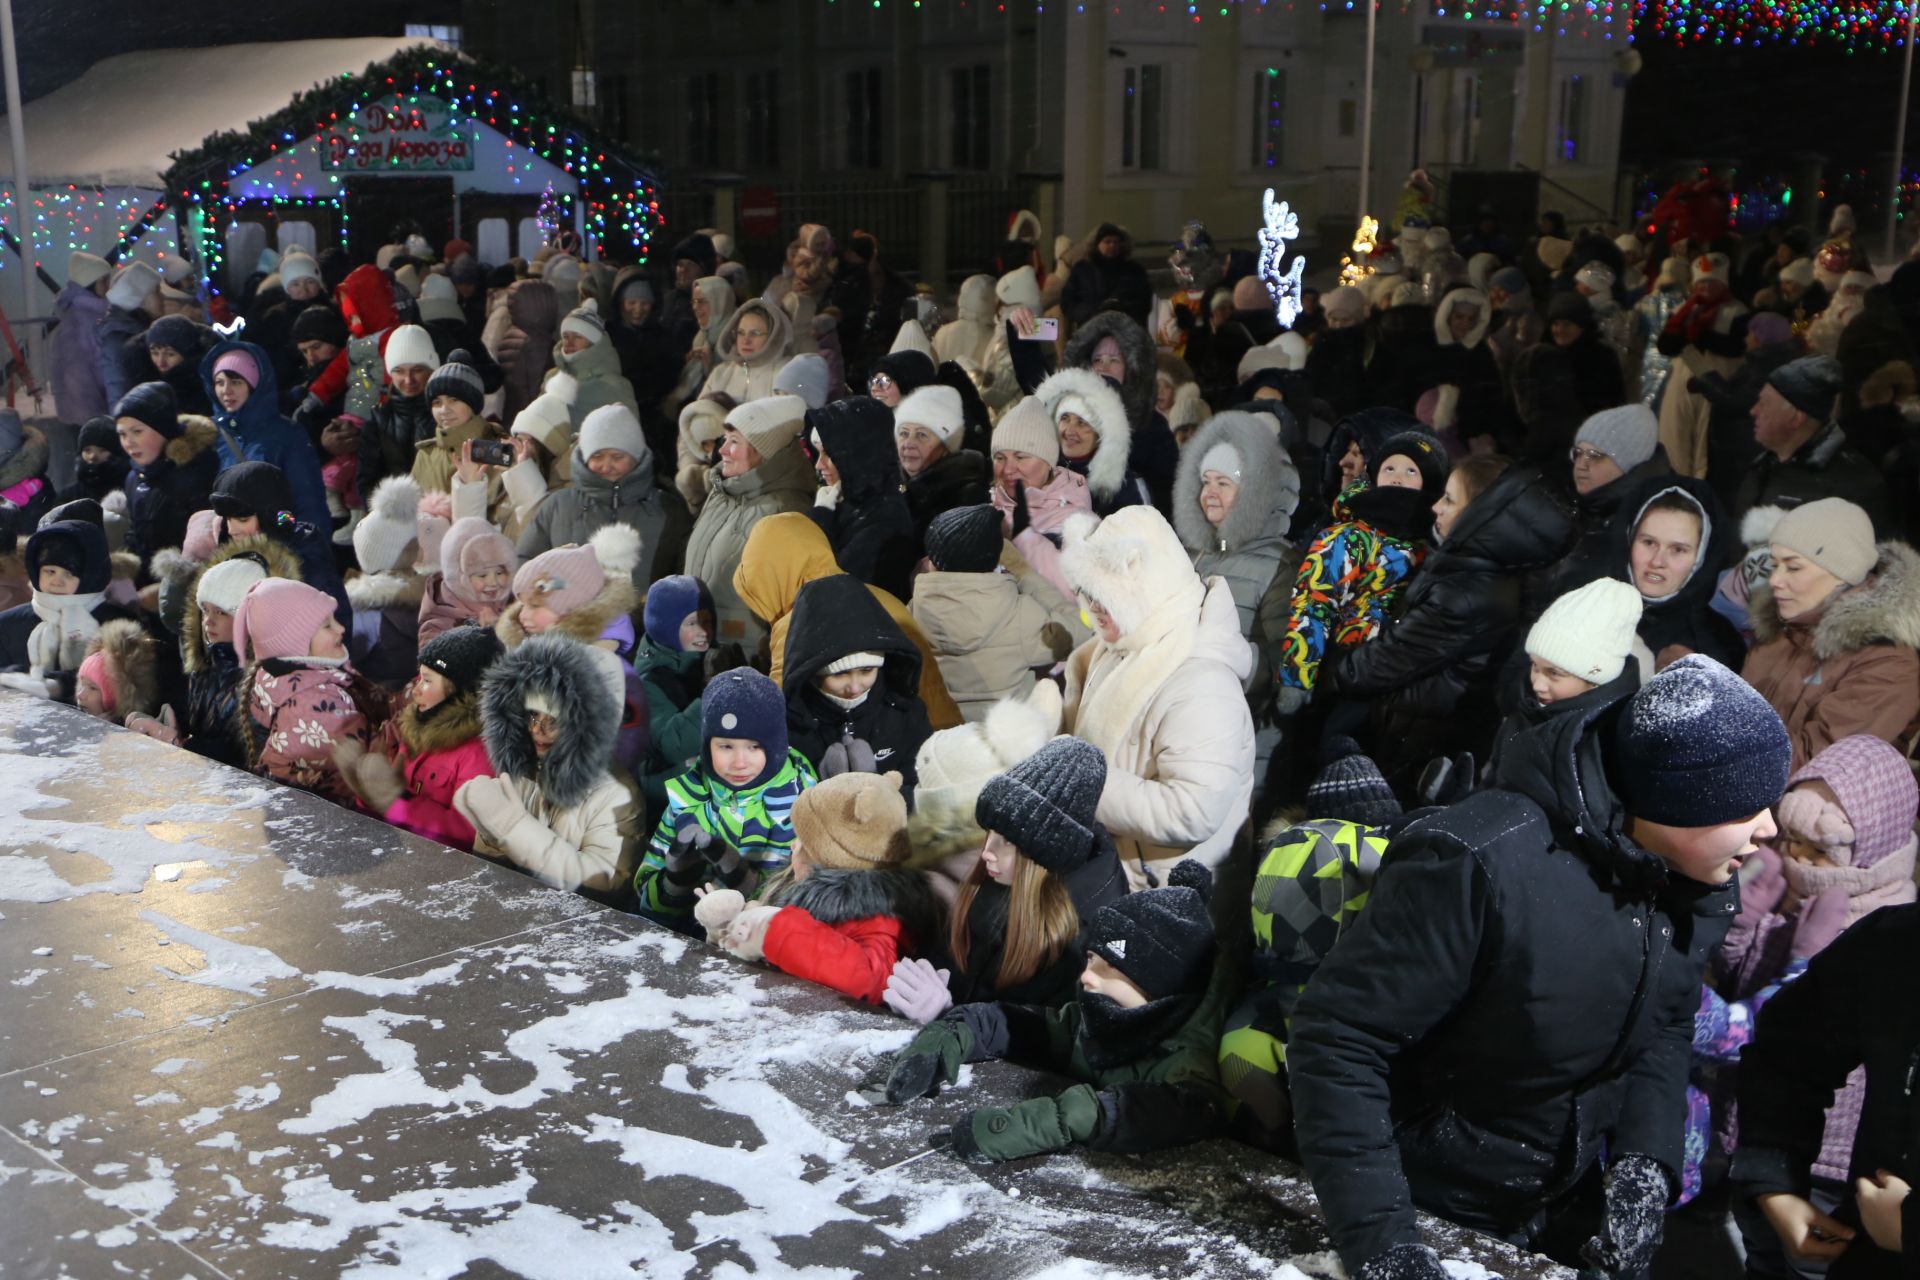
x: 1143, y: 117
x: 703, y: 119
x: 865, y: 122
x: 444, y: 33
x: 970, y: 109
x: 297, y: 235
x: 763, y: 119
x: 1572, y: 142
x: 1269, y: 119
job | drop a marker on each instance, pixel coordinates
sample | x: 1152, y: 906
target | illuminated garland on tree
x: 1855, y: 25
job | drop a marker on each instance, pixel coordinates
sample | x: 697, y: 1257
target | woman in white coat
x: 1158, y: 690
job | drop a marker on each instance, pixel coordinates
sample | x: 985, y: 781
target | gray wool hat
x: 805, y: 376
x: 1045, y: 804
x: 1627, y: 433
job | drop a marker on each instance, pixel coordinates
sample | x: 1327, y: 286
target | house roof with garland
x: 619, y: 190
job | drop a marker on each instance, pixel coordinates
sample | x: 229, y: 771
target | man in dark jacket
x: 1804, y: 454
x: 1107, y: 279
x: 1731, y: 446
x: 1518, y: 996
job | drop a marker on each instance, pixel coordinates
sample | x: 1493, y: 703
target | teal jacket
x: 673, y: 716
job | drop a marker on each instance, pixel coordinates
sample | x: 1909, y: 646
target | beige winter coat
x: 990, y: 630
x: 743, y: 380
x: 783, y: 482
x: 592, y: 845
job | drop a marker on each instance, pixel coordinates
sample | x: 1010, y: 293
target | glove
x: 377, y: 782
x: 1290, y: 700
x: 1446, y: 780
x: 729, y: 869
x: 1822, y: 919
x: 849, y: 755
x: 1637, y: 1195
x: 917, y: 991
x: 686, y: 865
x: 933, y: 1059
x: 746, y: 937
x: 1022, y: 518
x: 494, y: 804
x: 33, y: 686
x: 1403, y: 1262
x: 828, y: 497
x: 723, y: 657
x: 165, y: 728
x: 716, y: 909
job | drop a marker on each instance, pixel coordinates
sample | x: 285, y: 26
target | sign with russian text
x: 416, y: 137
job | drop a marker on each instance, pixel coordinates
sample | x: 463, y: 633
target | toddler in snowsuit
x: 851, y: 679
x: 729, y: 818
x: 846, y: 908
x: 1141, y: 1036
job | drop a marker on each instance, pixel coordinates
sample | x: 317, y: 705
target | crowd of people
x: 1458, y: 741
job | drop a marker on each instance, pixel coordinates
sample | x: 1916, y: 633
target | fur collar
x: 198, y: 436
x: 1107, y: 470
x: 281, y: 563
x: 584, y: 624
x: 455, y: 722
x: 1269, y: 486
x: 367, y: 592
x: 134, y: 660
x: 840, y: 897
x: 565, y: 675
x: 1885, y: 609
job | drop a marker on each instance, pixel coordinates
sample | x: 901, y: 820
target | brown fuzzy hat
x: 853, y: 822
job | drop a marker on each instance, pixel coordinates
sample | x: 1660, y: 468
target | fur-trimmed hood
x: 1472, y: 297
x: 1885, y: 609
x: 779, y: 334
x: 835, y: 897
x: 280, y: 561
x: 1140, y: 387
x: 197, y: 435
x: 1134, y: 566
x: 566, y: 676
x: 29, y: 460
x: 1107, y: 469
x: 452, y: 723
x: 1269, y: 486
x: 584, y: 624
x: 133, y: 658
x: 388, y: 590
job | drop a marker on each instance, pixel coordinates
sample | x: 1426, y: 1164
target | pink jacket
x: 441, y: 610
x: 299, y: 711
x: 436, y: 758
x: 1048, y: 510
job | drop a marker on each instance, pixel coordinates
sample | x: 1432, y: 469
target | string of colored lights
x: 1856, y: 26
x: 1602, y: 18
x: 73, y: 217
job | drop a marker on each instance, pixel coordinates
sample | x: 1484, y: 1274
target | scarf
x: 1122, y: 678
x: 67, y: 627
x: 1112, y: 1035
x: 1888, y: 882
x: 1696, y: 316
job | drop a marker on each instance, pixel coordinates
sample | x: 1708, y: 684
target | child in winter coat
x: 252, y: 500
x: 988, y: 629
x: 101, y: 466
x: 431, y: 748
x: 846, y: 908
x: 386, y: 593
x: 850, y: 677
x: 671, y: 662
x: 1581, y: 654
x: 214, y: 671
x: 171, y: 462
x: 303, y: 697
x: 612, y: 484
x: 1354, y: 572
x: 474, y: 580
x: 557, y: 807
x: 120, y: 677
x: 456, y: 393
x: 1141, y: 1035
x: 1018, y: 931
x: 729, y: 816
x: 43, y: 642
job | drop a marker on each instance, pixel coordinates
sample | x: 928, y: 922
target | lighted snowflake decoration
x: 1283, y: 285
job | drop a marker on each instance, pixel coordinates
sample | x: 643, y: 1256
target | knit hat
x: 411, y: 344
x: 459, y: 379
x: 298, y: 266
x: 1768, y: 327
x: 1572, y: 307
x: 1590, y: 631
x: 152, y: 403
x: 439, y: 300
x: 175, y: 332
x: 256, y: 489
x: 240, y: 363
x: 1877, y: 801
x: 806, y: 376
x: 225, y: 585
x: 937, y: 408
x: 95, y: 433
x: 1698, y: 746
x: 965, y: 540
x: 278, y: 618
x: 770, y: 423
x: 383, y: 536
x: 1810, y: 384
x: 1510, y: 280
x: 87, y: 269
x: 1020, y: 287
x: 1426, y: 453
x: 563, y: 272
x: 1222, y: 459
x: 853, y: 662
x: 1799, y: 271
x: 462, y: 654
x: 546, y: 419
x: 908, y: 369
x: 1627, y: 433
x: 1834, y: 534
x: 1044, y: 806
x: 852, y: 822
x: 1595, y: 275
x: 1026, y: 428
x: 584, y: 321
x: 135, y: 283
x: 93, y: 669
x: 742, y: 703
x: 1350, y: 787
x: 612, y: 426
x: 566, y: 578
x: 670, y: 602
x: 1345, y: 304
x: 472, y: 545
x: 1162, y: 939
x: 321, y: 323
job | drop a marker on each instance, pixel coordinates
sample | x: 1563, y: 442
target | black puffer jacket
x: 956, y: 480
x: 1519, y: 991
x: 1090, y: 886
x: 163, y: 495
x: 1429, y: 675
x: 387, y: 441
x: 1810, y: 1037
x: 833, y: 617
x: 871, y: 530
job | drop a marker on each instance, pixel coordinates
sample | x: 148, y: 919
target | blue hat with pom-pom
x: 1162, y: 939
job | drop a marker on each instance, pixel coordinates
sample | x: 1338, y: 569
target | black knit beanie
x: 153, y: 404
x: 965, y: 540
x: 1350, y: 787
x: 320, y: 323
x: 99, y: 433
x: 1699, y: 746
x: 462, y: 654
x: 1162, y: 939
x: 1045, y: 804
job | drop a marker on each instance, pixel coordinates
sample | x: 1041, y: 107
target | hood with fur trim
x: 134, y: 660
x: 834, y: 897
x: 1107, y: 470
x: 1134, y: 566
x: 1140, y: 387
x: 398, y: 588
x: 1885, y: 609
x: 197, y: 435
x: 451, y: 723
x: 1269, y: 486
x: 29, y: 460
x: 1443, y: 335
x: 281, y: 562
x: 779, y: 334
x: 567, y: 677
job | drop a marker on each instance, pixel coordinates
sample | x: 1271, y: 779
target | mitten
x: 377, y: 782
x: 1290, y: 700
x: 746, y: 937
x: 722, y: 658
x: 1403, y: 1262
x: 716, y: 910
x: 34, y: 686
x: 729, y: 870
x: 828, y: 496
x: 1636, y: 1211
x: 1760, y: 893
x: 933, y: 1059
x: 1822, y: 919
x: 849, y: 755
x: 686, y: 869
x: 1022, y: 518
x: 346, y: 755
x: 917, y: 991
x: 494, y: 804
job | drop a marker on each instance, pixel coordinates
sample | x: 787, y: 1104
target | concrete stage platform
x: 244, y: 1033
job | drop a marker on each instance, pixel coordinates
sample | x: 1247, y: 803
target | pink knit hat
x: 279, y: 618
x: 563, y: 579
x: 473, y: 545
x: 1878, y: 799
x: 95, y: 671
x: 239, y: 362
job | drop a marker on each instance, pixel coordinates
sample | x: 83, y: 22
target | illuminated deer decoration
x: 1283, y: 286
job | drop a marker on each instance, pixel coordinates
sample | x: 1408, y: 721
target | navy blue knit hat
x: 742, y: 703
x: 76, y: 546
x: 99, y: 433
x: 459, y: 379
x: 153, y: 404
x: 1044, y: 806
x: 1699, y: 746
x: 669, y: 601
x: 1162, y: 939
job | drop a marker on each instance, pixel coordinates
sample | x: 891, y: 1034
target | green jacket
x: 758, y: 823
x: 1166, y: 1097
x: 673, y: 715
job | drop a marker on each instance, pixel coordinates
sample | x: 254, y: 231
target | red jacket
x: 845, y: 929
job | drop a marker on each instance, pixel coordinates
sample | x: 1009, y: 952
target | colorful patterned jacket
x: 758, y: 822
x: 1347, y: 585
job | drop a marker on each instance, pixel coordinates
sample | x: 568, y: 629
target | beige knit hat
x: 853, y: 822
x: 1834, y: 534
x: 1588, y: 632
x: 1027, y: 428
x: 770, y: 423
